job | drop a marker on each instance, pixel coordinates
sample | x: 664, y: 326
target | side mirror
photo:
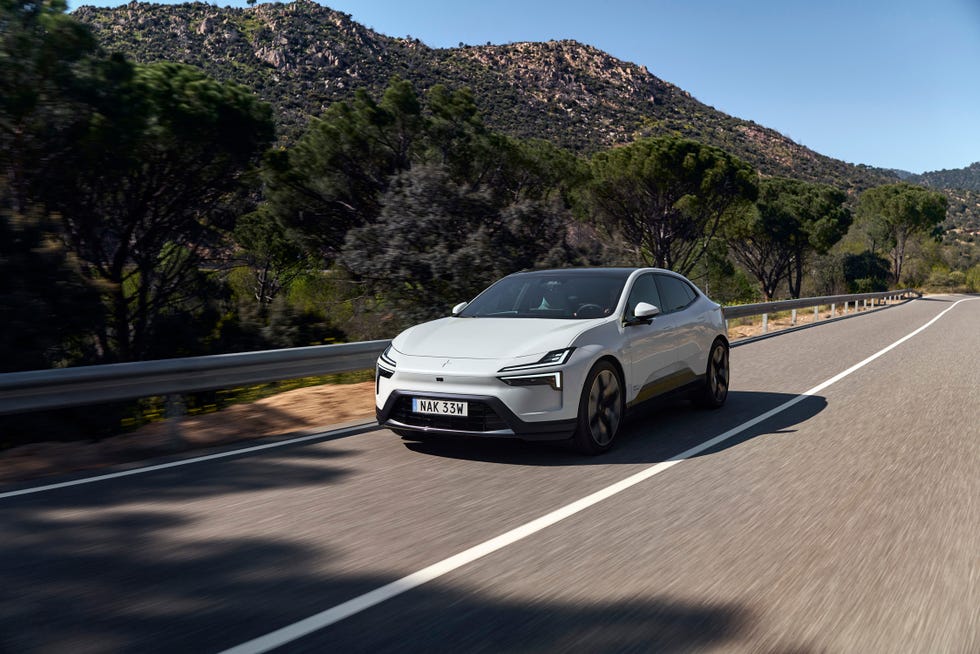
x: 643, y: 314
x: 459, y: 307
x: 645, y: 311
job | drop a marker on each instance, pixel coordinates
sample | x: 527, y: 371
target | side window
x: 676, y: 293
x: 644, y: 290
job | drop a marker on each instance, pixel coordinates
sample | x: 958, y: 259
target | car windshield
x: 562, y: 295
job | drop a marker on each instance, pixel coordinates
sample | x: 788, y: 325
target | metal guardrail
x: 66, y: 387
x: 764, y: 308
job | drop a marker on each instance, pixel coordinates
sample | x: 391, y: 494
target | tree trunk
x: 899, y: 256
x: 795, y: 277
x: 120, y: 322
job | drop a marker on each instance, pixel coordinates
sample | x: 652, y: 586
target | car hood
x: 488, y: 338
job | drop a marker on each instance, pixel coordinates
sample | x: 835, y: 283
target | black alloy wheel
x: 600, y: 410
x: 716, y: 377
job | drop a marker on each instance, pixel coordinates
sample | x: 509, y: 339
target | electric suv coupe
x: 555, y: 354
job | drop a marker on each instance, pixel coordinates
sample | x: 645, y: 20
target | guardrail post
x: 173, y: 412
x: 833, y: 310
x: 765, y: 323
x: 816, y: 314
x: 794, y: 318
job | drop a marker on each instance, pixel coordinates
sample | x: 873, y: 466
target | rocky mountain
x: 302, y: 56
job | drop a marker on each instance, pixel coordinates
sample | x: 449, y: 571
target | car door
x: 651, y: 345
x: 678, y: 298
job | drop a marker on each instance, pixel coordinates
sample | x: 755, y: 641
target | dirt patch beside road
x: 303, y: 409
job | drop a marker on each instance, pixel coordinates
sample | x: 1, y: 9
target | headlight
x: 552, y: 379
x: 527, y: 377
x: 553, y: 358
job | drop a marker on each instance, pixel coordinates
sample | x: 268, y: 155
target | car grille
x: 481, y: 417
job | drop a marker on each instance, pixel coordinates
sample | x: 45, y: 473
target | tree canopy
x: 154, y: 181
x: 438, y: 242
x: 792, y: 219
x: 669, y: 196
x: 333, y: 178
x: 43, y: 59
x: 419, y: 201
x: 894, y: 213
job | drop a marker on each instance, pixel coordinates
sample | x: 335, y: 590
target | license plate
x: 439, y: 407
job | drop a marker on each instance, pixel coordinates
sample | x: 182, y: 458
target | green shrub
x: 972, y: 279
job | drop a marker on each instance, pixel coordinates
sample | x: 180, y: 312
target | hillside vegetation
x: 301, y: 57
x: 967, y: 179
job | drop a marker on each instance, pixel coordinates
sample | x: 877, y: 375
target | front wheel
x: 714, y: 391
x: 600, y: 410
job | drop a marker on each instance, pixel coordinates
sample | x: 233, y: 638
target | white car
x: 555, y: 354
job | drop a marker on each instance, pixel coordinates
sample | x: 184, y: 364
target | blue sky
x: 893, y: 83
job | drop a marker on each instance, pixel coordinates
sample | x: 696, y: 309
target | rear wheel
x: 714, y: 391
x: 600, y: 410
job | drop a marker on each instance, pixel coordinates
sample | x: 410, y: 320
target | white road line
x: 182, y: 462
x: 351, y: 607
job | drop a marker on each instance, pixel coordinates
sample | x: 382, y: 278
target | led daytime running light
x: 553, y: 358
x: 386, y: 359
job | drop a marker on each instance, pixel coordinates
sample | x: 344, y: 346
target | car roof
x: 598, y: 271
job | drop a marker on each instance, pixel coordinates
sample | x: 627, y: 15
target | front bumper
x: 500, y: 409
x: 489, y: 417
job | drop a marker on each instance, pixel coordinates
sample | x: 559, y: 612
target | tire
x: 717, y: 374
x: 600, y: 410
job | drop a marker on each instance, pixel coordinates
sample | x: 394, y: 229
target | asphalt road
x: 847, y: 522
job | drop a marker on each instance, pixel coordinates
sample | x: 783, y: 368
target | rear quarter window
x: 675, y: 293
